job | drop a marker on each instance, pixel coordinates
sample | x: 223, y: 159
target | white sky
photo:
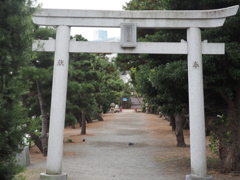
x: 87, y: 33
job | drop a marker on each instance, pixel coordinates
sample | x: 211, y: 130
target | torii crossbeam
x: 193, y: 21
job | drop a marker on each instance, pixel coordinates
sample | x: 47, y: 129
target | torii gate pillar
x: 58, y: 106
x: 196, y: 104
x: 194, y: 48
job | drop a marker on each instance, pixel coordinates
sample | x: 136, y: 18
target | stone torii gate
x: 129, y: 21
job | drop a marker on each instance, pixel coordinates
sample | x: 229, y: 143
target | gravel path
x: 107, y: 155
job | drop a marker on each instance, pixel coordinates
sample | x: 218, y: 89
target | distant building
x: 100, y: 34
x: 114, y: 39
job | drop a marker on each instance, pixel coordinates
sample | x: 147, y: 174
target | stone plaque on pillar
x: 128, y: 35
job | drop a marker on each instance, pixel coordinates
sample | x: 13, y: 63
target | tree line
x: 93, y: 83
x: 163, y: 81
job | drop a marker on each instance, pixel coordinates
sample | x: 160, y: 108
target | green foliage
x: 143, y: 5
x: 93, y: 82
x: 214, y: 144
x: 15, y: 42
x: 128, y: 90
x: 164, y: 85
x: 39, y: 70
x: 20, y: 177
x: 228, y: 134
x: 82, y: 82
x: 9, y: 173
x: 70, y: 141
x: 223, y: 123
x: 44, y: 33
x: 70, y: 119
x: 110, y: 85
x: 162, y: 78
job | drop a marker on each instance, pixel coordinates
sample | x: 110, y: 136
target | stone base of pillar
x: 44, y: 176
x: 193, y: 177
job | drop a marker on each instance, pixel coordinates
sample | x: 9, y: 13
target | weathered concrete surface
x: 145, y: 19
x: 58, y: 102
x: 190, y: 177
x: 141, y: 47
x: 24, y: 157
x: 196, y: 103
x: 44, y: 176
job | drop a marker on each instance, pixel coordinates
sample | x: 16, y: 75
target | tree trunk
x: 83, y: 130
x: 44, y: 134
x: 227, y: 129
x: 228, y: 155
x: 151, y: 110
x: 88, y: 118
x: 98, y: 116
x: 25, y: 100
x: 80, y: 119
x: 228, y: 148
x: 73, y: 126
x: 180, y: 120
x: 238, y: 120
x: 37, y: 141
x: 172, y: 122
x: 186, y: 124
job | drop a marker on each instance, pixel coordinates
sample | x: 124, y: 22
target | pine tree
x: 15, y: 42
x: 111, y: 85
x: 82, y: 86
x: 93, y: 82
x: 39, y: 76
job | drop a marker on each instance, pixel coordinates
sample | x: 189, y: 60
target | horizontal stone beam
x: 141, y: 23
x: 141, y: 48
x: 44, y: 45
x: 143, y: 19
x: 143, y: 14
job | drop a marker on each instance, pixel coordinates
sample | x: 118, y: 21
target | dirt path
x: 106, y: 153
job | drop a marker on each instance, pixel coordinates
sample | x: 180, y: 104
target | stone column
x: 58, y: 106
x: 196, y: 104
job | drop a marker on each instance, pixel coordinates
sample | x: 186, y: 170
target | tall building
x: 100, y: 34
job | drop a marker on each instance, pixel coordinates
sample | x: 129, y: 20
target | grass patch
x: 69, y: 141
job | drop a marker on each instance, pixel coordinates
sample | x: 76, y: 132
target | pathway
x: 107, y: 155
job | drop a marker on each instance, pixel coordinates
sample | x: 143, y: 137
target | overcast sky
x: 88, y: 33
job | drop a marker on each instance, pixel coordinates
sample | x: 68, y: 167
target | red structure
x: 135, y: 109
